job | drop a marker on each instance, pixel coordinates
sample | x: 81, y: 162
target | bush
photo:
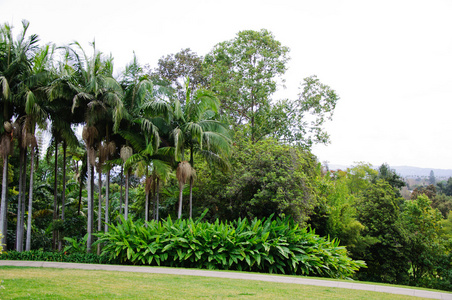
x: 36, y: 255
x: 271, y: 246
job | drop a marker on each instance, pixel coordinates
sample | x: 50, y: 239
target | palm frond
x: 166, y: 151
x: 133, y: 159
x: 195, y: 131
x: 161, y: 169
x: 215, y: 160
x: 178, y: 137
x: 217, y: 142
x: 135, y: 139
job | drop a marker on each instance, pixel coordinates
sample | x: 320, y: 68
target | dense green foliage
x: 402, y: 241
x: 274, y: 246
x: 36, y: 255
x: 266, y: 178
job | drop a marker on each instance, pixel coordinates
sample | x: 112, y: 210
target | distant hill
x: 406, y: 171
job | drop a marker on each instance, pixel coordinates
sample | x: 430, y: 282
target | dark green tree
x: 379, y: 212
x: 390, y: 176
x: 424, y: 247
x: 176, y: 69
x: 429, y: 191
x: 266, y: 178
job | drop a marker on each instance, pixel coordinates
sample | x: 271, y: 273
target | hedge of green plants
x: 270, y: 246
x: 37, y: 255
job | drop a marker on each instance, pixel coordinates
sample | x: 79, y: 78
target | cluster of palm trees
x: 127, y: 121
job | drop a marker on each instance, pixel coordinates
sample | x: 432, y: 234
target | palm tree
x: 5, y: 150
x: 141, y: 107
x: 195, y: 128
x: 36, y: 115
x: 99, y: 95
x: 148, y: 159
x: 15, y: 68
x: 31, y: 107
x: 61, y: 92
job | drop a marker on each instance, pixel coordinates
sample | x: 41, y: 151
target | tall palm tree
x: 154, y: 164
x: 99, y: 95
x: 60, y: 92
x: 197, y: 130
x: 32, y: 109
x: 15, y: 68
x: 141, y: 107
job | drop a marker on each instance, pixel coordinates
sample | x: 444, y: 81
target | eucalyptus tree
x: 245, y: 72
x: 301, y: 121
x: 174, y: 69
x: 99, y: 96
x: 15, y: 67
x: 196, y: 129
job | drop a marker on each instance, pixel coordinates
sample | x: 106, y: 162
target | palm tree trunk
x: 55, y: 197
x: 146, y: 202
x: 120, y: 195
x: 154, y: 212
x: 90, y: 208
x: 30, y: 201
x: 146, y: 208
x: 63, y: 193
x: 191, y: 197
x: 80, y: 196
x: 22, y: 218
x: 126, y: 204
x: 107, y: 204
x: 181, y: 187
x: 3, y: 205
x: 99, y: 212
x: 157, y: 192
x: 191, y: 182
x: 19, y: 199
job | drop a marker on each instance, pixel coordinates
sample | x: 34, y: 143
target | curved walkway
x: 233, y: 275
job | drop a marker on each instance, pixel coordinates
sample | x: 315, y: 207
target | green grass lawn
x: 48, y: 283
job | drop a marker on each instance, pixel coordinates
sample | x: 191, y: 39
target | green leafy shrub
x: 76, y: 246
x: 36, y: 255
x: 271, y: 246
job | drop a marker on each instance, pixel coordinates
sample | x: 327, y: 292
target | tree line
x: 201, y: 128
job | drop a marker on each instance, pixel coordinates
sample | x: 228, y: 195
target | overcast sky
x: 389, y: 61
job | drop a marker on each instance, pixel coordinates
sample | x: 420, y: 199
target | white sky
x: 389, y: 61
